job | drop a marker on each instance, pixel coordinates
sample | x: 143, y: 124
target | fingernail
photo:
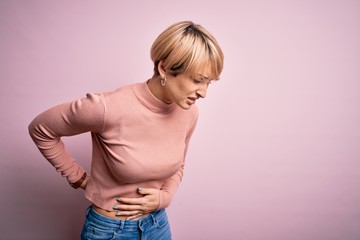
x: 118, y: 214
x: 139, y: 189
x: 115, y: 207
x: 118, y: 199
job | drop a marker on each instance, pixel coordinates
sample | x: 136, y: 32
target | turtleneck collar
x: 143, y: 93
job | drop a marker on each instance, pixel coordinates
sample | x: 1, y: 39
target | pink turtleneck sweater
x: 137, y: 141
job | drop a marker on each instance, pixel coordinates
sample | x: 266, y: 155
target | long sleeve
x: 171, y: 184
x: 124, y: 124
x: 83, y: 115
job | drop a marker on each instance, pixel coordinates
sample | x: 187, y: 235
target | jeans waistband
x: 99, y: 219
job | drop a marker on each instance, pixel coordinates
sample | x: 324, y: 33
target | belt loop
x: 153, y: 217
x: 122, y: 225
x: 140, y: 225
x: 87, y: 210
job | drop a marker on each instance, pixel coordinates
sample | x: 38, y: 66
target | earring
x: 163, y: 81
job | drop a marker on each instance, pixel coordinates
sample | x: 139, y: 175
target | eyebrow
x: 203, y: 76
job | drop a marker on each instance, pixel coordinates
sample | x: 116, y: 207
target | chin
x: 185, y: 106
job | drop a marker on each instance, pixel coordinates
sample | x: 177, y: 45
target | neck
x: 157, y: 90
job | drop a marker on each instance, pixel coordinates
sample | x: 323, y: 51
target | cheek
x: 187, y: 87
x: 184, y: 88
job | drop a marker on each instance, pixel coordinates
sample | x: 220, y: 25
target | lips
x: 192, y: 99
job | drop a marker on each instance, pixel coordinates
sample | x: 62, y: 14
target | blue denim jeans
x: 98, y: 227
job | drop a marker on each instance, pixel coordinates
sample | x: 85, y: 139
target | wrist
x: 85, y: 182
x: 80, y: 182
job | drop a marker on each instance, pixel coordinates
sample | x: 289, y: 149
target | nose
x: 201, y: 92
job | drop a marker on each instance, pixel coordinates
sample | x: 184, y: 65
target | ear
x: 161, y: 68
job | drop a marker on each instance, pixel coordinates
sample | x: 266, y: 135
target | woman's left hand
x: 136, y: 207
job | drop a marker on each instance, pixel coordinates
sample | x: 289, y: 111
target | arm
x: 171, y: 184
x: 154, y: 199
x: 46, y: 130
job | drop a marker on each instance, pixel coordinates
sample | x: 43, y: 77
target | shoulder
x: 188, y: 117
x: 119, y: 103
x: 121, y: 91
x: 193, y: 114
x: 120, y: 94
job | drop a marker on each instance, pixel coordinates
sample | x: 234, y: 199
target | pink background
x: 276, y: 154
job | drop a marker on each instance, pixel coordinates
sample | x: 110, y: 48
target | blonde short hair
x: 186, y: 47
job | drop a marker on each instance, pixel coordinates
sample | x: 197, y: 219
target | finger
x: 134, y: 217
x: 125, y: 207
x: 131, y: 201
x: 146, y: 207
x: 129, y: 213
x: 146, y: 191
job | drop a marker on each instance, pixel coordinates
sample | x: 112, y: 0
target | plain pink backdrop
x: 276, y: 154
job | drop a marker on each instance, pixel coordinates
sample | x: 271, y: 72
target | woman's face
x: 185, y: 88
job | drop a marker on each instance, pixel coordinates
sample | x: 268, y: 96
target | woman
x: 140, y: 134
